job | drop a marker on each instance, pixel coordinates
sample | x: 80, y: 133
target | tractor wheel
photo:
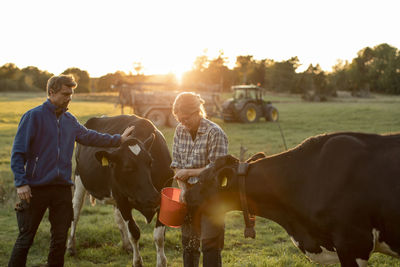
x: 272, y: 114
x: 172, y: 122
x: 250, y: 113
x: 158, y: 117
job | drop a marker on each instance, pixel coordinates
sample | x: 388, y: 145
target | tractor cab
x: 247, y: 105
x: 246, y: 92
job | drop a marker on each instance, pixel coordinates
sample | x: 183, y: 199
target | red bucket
x: 172, y: 211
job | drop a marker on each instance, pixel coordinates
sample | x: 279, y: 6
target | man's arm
x: 91, y: 137
x: 184, y: 174
x: 176, y: 161
x: 25, y: 134
x: 218, y: 146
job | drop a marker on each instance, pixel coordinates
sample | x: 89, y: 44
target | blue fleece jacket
x: 43, y: 146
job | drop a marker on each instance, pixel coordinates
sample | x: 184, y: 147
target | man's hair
x: 56, y: 82
x: 187, y: 103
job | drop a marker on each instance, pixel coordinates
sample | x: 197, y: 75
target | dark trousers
x: 212, y: 241
x: 58, y: 199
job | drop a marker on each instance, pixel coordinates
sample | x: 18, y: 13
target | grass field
x: 98, y: 239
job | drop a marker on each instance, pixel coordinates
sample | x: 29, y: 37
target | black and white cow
x: 130, y: 177
x: 337, y: 195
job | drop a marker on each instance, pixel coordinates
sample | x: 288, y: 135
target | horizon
x: 167, y: 36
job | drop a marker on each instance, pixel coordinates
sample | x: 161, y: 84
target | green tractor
x: 248, y: 105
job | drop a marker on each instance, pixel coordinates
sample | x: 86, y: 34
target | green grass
x: 98, y: 239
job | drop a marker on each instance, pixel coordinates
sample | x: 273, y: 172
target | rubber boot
x: 212, y: 258
x: 191, y: 259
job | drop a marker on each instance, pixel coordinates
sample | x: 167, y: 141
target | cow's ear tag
x: 104, y: 161
x: 135, y: 149
x: 224, y: 181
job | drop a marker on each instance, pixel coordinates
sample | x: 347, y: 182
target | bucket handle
x: 165, y: 183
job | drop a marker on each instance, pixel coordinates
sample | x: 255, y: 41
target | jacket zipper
x: 58, y: 147
x: 34, y: 166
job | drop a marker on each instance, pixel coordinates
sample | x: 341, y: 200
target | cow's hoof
x: 128, y: 248
x: 71, y: 251
x: 162, y: 262
x: 138, y: 264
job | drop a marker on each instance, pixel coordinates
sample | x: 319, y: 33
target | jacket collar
x: 50, y: 106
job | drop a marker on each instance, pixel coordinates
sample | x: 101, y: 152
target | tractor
x: 248, y: 105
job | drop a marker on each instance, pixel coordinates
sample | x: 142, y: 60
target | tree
x: 281, y: 76
x: 243, y: 68
x: 217, y: 73
x: 35, y: 77
x: 81, y: 77
x: 9, y: 71
x: 339, y: 77
x: 383, y: 69
x: 107, y: 83
x: 209, y: 74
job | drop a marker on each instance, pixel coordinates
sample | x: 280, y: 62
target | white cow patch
x: 135, y: 149
x: 362, y: 263
x: 137, y: 259
x: 295, y: 242
x: 325, y: 257
x: 382, y: 247
x: 158, y: 234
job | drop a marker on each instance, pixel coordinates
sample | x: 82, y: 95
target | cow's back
x: 355, y: 175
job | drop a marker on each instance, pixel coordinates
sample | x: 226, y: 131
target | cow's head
x: 217, y: 189
x: 130, y: 169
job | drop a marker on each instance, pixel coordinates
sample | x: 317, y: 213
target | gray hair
x: 56, y: 82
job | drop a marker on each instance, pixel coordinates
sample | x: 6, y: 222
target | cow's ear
x: 224, y: 169
x: 103, y: 157
x: 148, y: 143
x: 225, y: 175
x: 224, y: 161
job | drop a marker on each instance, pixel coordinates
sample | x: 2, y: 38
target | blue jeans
x: 58, y: 199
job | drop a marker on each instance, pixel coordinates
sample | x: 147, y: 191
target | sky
x: 166, y: 36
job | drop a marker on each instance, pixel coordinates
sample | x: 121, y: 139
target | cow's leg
x: 133, y: 231
x: 354, y: 247
x: 159, y: 237
x: 349, y: 260
x: 126, y: 244
x: 77, y: 202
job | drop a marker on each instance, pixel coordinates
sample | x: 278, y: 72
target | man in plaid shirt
x: 197, y: 143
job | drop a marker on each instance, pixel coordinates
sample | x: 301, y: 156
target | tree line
x: 375, y: 69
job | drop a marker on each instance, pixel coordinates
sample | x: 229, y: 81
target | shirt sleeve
x: 176, y: 160
x: 217, y: 146
x: 19, y: 154
x: 90, y: 137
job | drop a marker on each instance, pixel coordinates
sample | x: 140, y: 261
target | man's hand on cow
x: 24, y: 192
x: 125, y: 135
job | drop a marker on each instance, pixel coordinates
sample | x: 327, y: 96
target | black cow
x: 131, y: 176
x: 337, y: 195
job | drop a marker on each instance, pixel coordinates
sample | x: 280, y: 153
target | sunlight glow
x: 167, y: 36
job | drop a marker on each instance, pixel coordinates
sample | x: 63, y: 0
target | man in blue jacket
x: 41, y: 163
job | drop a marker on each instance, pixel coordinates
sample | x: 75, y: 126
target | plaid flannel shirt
x: 209, y: 144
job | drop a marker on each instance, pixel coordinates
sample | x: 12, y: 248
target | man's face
x: 190, y: 121
x: 62, y: 98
